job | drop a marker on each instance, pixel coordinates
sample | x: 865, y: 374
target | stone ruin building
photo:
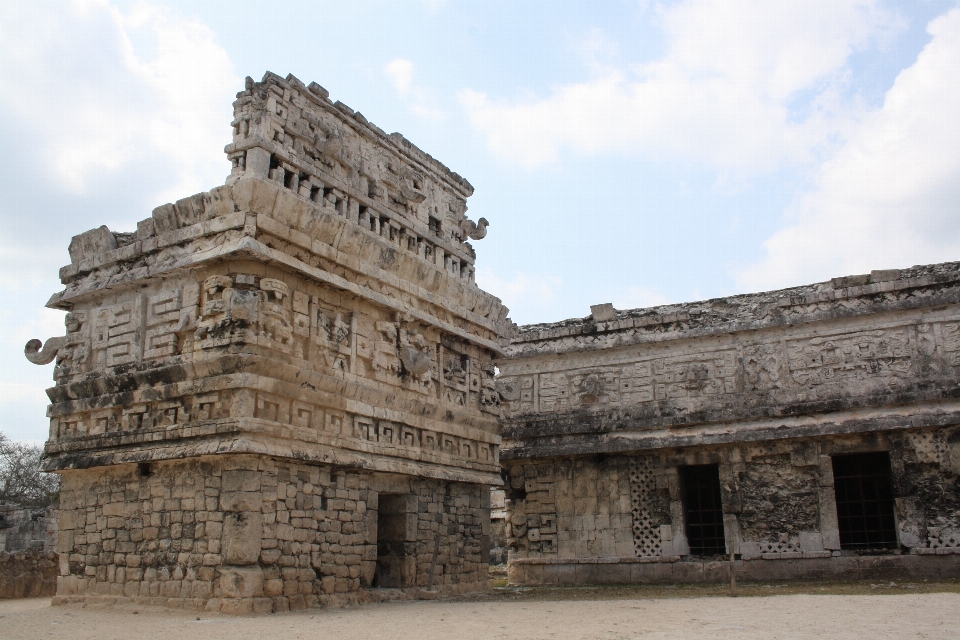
x: 28, y: 544
x: 24, y: 528
x: 811, y: 432
x: 280, y: 393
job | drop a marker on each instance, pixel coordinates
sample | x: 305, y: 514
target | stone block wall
x: 28, y: 529
x: 28, y: 574
x: 570, y: 508
x: 620, y: 518
x: 249, y: 533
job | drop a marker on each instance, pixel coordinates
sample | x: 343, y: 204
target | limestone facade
x: 280, y: 391
x: 614, y: 422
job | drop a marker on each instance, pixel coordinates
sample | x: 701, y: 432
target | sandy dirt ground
x: 505, y: 615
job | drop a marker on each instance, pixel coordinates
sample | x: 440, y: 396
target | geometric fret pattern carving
x: 785, y: 544
x: 643, y: 488
x: 938, y: 538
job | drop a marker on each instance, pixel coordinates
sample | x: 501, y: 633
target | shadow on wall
x: 30, y: 574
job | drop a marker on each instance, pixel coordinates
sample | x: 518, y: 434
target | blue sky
x: 634, y: 152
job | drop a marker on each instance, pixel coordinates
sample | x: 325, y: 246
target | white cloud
x: 417, y: 99
x: 17, y: 392
x: 23, y: 400
x: 38, y: 322
x: 531, y: 297
x: 891, y: 196
x: 722, y: 93
x: 106, y: 89
x: 22, y: 268
x: 400, y: 72
x: 104, y: 113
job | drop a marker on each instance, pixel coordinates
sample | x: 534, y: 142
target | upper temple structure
x: 284, y: 393
x: 280, y: 392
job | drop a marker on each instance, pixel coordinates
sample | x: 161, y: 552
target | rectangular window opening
x: 864, y: 491
x: 703, y: 509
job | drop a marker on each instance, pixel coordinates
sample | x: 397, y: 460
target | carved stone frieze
x: 333, y: 264
x: 882, y: 353
x: 723, y: 367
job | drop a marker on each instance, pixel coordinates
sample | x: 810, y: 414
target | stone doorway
x: 396, y: 541
x: 703, y: 509
x: 864, y: 491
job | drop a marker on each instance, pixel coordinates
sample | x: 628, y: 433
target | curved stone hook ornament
x: 46, y: 355
x: 416, y: 362
x: 474, y: 230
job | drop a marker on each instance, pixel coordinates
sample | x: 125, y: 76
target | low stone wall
x: 907, y: 567
x: 27, y: 575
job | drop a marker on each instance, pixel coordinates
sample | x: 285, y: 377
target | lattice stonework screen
x: 643, y: 490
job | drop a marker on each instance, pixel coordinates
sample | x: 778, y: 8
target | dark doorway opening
x: 865, y: 501
x: 391, y: 542
x: 703, y: 510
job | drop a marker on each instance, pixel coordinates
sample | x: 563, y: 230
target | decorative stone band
x: 191, y: 425
x: 246, y: 246
x: 939, y: 414
x: 249, y: 442
x: 805, y: 365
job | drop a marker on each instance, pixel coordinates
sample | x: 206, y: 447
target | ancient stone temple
x: 280, y: 392
x: 810, y: 432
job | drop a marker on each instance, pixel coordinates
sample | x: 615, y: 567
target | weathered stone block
x: 241, y: 540
x: 240, y: 582
x: 688, y: 571
x: 717, y: 571
x: 240, y: 501
x: 91, y: 243
x: 234, y: 480
x: 883, y: 567
x: 810, y: 541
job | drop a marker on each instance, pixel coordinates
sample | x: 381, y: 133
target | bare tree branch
x: 20, y: 478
